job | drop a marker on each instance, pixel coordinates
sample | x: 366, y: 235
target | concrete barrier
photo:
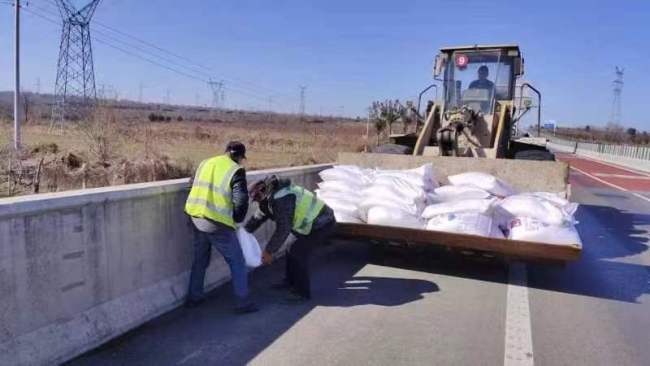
x: 79, y: 268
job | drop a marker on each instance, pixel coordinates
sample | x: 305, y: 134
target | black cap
x: 236, y: 149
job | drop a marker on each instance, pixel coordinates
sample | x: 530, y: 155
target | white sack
x: 392, y: 217
x: 460, y: 192
x: 422, y: 176
x: 404, y: 187
x: 345, y: 173
x: 529, y: 229
x: 465, y: 223
x: 250, y: 248
x: 482, y: 206
x: 371, y: 201
x: 526, y: 205
x: 568, y: 207
x: 342, y: 206
x: 484, y: 181
x: 341, y: 217
x: 392, y: 193
x: 346, y: 196
x: 340, y: 186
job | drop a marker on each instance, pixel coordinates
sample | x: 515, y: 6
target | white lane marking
x: 519, y: 336
x: 611, y: 184
x: 608, y: 175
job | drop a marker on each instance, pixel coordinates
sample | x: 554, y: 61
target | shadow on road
x: 611, y: 238
x: 212, y: 335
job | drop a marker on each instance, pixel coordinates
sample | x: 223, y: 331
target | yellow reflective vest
x: 307, y: 208
x: 211, y: 193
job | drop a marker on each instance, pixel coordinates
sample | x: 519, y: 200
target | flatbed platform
x: 512, y: 248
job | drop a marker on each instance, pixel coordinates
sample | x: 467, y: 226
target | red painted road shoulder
x: 605, y: 174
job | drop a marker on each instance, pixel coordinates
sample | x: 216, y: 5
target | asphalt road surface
x: 396, y: 307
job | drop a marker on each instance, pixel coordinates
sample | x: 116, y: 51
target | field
x: 115, y: 147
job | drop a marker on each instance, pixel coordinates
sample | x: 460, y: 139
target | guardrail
x: 631, y: 156
x: 81, y: 267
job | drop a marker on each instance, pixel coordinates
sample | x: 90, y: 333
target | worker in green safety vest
x: 296, y: 210
x: 217, y: 201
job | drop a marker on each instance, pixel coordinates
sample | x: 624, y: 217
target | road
x: 433, y: 308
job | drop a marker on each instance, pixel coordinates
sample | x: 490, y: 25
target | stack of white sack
x: 472, y: 216
x: 379, y: 197
x: 540, y: 217
x: 397, y: 197
x: 341, y: 190
x: 481, y: 204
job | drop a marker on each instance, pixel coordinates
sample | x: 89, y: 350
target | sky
x: 346, y: 53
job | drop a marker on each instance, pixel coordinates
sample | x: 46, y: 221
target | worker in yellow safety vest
x: 295, y: 210
x: 217, y: 201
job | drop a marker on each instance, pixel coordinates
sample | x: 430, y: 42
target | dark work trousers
x: 226, y: 242
x: 297, y: 269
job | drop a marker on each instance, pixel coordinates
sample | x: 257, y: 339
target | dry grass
x: 110, y: 150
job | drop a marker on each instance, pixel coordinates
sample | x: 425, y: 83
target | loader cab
x: 475, y: 114
x: 478, y: 77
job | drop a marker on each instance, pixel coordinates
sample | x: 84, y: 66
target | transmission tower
x: 302, y: 100
x: 615, y: 117
x: 217, y: 92
x: 75, y: 76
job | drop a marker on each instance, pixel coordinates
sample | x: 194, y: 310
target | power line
x: 148, y: 59
x: 209, y: 70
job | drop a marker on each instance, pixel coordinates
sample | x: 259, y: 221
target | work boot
x: 247, y: 309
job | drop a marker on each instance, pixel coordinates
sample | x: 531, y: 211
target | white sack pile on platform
x: 474, y: 203
x: 379, y: 197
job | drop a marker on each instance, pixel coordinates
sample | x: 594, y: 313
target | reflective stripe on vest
x: 307, y: 208
x: 211, y: 194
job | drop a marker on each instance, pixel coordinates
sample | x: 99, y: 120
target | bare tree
x: 384, y: 114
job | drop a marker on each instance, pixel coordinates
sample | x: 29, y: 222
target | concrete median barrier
x: 79, y: 268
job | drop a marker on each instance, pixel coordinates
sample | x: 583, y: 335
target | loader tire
x: 535, y: 155
x: 392, y: 149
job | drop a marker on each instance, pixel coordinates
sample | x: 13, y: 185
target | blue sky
x: 349, y: 53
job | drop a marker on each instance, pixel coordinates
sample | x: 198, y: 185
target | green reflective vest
x: 307, y: 208
x: 211, y: 194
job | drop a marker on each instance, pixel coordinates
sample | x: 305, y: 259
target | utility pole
x: 17, y: 80
x: 140, y: 87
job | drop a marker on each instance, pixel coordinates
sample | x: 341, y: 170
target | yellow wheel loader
x: 477, y: 113
x: 473, y: 126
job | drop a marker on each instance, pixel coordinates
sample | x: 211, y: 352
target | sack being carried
x: 250, y: 248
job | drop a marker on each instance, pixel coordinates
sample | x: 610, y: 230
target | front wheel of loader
x: 540, y: 155
x: 393, y: 149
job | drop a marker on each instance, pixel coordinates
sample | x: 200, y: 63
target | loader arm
x: 429, y: 129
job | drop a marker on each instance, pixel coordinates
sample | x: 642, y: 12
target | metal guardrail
x: 631, y: 156
x: 627, y: 151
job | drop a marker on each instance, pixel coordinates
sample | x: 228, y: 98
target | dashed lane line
x: 519, y: 336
